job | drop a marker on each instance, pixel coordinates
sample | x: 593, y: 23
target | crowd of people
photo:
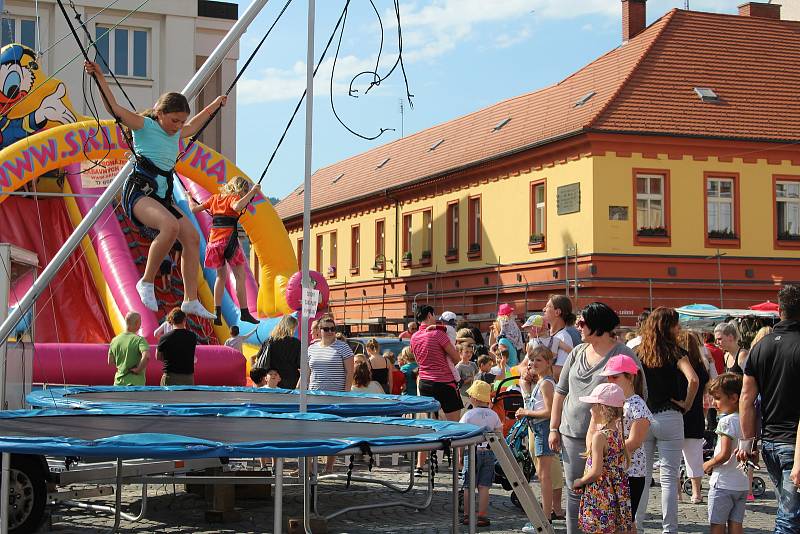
x: 598, y: 405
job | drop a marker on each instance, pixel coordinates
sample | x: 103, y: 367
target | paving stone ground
x: 173, y: 510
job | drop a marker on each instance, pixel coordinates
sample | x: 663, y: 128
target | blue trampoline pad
x: 194, y: 433
x: 269, y: 400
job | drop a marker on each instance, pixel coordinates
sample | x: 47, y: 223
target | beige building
x: 790, y: 9
x: 155, y: 49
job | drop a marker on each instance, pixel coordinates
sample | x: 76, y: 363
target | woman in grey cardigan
x: 569, y: 422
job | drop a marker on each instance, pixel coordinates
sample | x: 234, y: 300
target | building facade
x: 157, y: 48
x: 652, y: 176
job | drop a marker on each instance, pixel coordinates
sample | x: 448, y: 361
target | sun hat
x: 607, y: 394
x: 534, y: 320
x: 480, y: 391
x: 448, y: 317
x: 619, y: 364
x: 505, y: 309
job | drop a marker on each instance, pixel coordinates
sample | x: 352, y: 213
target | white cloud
x: 433, y: 28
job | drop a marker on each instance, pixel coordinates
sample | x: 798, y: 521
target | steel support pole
x: 191, y: 90
x: 277, y: 523
x: 456, y: 522
x: 473, y: 457
x: 306, y: 279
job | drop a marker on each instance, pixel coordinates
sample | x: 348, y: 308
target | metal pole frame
x: 190, y: 91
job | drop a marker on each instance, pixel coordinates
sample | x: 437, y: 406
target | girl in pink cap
x: 605, y: 501
x: 623, y: 371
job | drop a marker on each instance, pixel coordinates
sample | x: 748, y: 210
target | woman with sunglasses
x: 665, y: 365
x: 582, y: 372
x: 330, y: 360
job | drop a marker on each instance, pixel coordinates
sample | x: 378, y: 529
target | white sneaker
x: 147, y: 292
x: 193, y: 307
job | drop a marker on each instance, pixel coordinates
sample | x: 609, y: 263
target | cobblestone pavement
x: 176, y: 511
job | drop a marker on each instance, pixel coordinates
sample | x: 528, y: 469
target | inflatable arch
x: 71, y: 143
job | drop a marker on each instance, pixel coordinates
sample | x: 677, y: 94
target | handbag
x: 262, y: 358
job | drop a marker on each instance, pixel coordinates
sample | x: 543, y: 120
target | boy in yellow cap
x: 481, y: 415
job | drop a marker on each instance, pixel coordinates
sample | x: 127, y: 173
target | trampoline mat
x: 213, y: 397
x: 210, y: 428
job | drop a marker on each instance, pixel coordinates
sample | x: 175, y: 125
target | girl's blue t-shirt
x: 152, y: 142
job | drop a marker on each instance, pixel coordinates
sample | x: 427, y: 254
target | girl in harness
x: 223, y: 241
x: 147, y: 193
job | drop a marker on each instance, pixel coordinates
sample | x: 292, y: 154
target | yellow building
x: 662, y: 173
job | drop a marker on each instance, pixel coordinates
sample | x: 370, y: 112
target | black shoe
x: 246, y: 317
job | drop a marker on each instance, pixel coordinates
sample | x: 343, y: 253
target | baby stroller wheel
x: 687, y: 486
x: 759, y: 488
x: 515, y: 500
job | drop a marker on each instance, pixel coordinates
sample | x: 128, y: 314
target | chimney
x: 634, y: 13
x: 761, y: 10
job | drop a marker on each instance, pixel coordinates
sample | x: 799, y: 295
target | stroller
x: 506, y: 402
x: 517, y: 442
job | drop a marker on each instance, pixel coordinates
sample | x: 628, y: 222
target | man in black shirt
x: 773, y: 370
x: 176, y: 350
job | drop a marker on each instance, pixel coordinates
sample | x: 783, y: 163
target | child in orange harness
x: 223, y: 241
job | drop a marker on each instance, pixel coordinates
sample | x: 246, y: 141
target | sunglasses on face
x: 328, y: 329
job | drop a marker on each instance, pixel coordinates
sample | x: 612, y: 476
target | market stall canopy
x: 767, y: 306
x: 721, y: 314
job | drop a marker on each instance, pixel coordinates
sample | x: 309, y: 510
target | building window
x: 355, y: 249
x: 125, y: 50
x: 651, y: 197
x: 299, y: 254
x: 319, y: 254
x: 407, y: 233
x: 427, y: 237
x: 334, y: 255
x: 24, y: 28
x: 722, y: 207
x: 538, y: 215
x: 474, y: 233
x: 452, y: 231
x: 380, y: 245
x: 787, y: 211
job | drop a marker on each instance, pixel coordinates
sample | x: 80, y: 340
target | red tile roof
x: 645, y: 85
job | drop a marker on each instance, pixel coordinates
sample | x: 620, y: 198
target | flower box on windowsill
x: 331, y: 272
x: 536, y: 242
x: 354, y: 270
x: 652, y: 236
x: 407, y: 260
x: 788, y: 240
x: 378, y: 267
x: 722, y: 239
x: 425, y: 258
x: 452, y: 255
x: 474, y: 251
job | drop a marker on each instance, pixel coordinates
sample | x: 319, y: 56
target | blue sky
x: 460, y: 56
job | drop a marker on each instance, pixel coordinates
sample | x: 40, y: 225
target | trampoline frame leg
x: 455, y: 492
x: 473, y: 522
x: 118, y: 496
x: 307, y: 497
x: 277, y: 524
x: 5, y: 481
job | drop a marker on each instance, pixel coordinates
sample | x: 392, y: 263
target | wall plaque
x: 568, y: 198
x: 618, y: 213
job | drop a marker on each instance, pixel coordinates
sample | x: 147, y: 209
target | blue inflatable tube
x: 226, y: 398
x: 196, y: 434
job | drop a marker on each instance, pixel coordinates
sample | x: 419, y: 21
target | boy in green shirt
x: 129, y: 353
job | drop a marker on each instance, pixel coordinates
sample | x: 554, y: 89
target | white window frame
x: 789, y: 202
x: 645, y: 222
x: 539, y: 208
x: 18, y: 28
x: 453, y: 209
x: 717, y: 202
x: 112, y: 36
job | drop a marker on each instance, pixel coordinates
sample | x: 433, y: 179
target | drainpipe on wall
x: 396, y: 262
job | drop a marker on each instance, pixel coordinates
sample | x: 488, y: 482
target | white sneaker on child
x: 147, y: 292
x: 193, y: 307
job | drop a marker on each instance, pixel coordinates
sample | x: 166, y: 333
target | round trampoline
x: 195, y: 433
x: 219, y: 397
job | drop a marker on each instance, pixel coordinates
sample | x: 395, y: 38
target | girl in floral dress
x: 605, y: 502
